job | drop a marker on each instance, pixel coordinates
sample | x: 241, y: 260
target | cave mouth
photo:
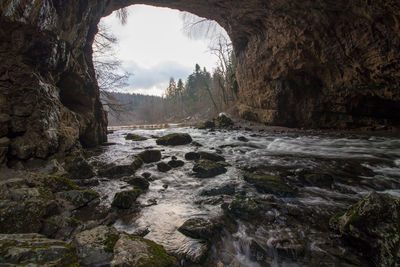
x: 153, y: 50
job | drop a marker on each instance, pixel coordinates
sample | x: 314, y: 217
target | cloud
x: 156, y: 76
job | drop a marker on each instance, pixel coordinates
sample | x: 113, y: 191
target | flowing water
x: 350, y: 165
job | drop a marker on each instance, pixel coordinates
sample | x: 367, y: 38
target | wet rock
x: 211, y: 156
x: 96, y: 246
x: 78, y: 167
x: 269, y: 184
x: 139, y: 182
x: 125, y: 199
x: 243, y: 208
x: 135, y: 137
x: 206, y: 168
x: 192, y: 156
x: 225, y: 190
x: 137, y: 251
x: 372, y: 226
x: 196, y: 144
x: 149, y: 156
x: 35, y: 250
x: 136, y: 163
x: 24, y: 213
x: 117, y: 171
x: 4, y: 119
x: 174, y: 139
x: 223, y: 121
x: 176, y: 163
x: 163, y: 167
x: 53, y: 182
x: 243, y: 139
x: 146, y: 175
x: 206, y: 125
x: 80, y: 198
x: 4, y: 143
x: 199, y: 228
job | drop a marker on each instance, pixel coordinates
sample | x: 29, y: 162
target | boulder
x: 117, y: 171
x: 206, y: 168
x: 78, y: 167
x: 135, y: 137
x: 35, y: 250
x: 176, y: 163
x: 96, y: 246
x: 139, y: 182
x: 206, y: 125
x: 372, y: 226
x: 125, y: 199
x: 149, y: 156
x: 269, y: 184
x: 192, y: 156
x: 243, y: 139
x: 174, y: 139
x: 105, y: 246
x: 211, y: 156
x: 132, y: 250
x: 223, y: 121
x: 163, y: 167
x: 199, y: 228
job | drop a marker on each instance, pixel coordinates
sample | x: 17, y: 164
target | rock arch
x: 299, y: 63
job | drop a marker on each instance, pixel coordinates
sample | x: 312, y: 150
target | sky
x: 153, y: 47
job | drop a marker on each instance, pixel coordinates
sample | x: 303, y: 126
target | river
x: 328, y: 171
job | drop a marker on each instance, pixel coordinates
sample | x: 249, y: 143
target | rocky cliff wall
x: 299, y: 63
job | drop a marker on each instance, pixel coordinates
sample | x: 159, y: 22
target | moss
x: 158, y: 255
x: 109, y: 243
x: 45, y: 193
x: 135, y: 137
x: 174, y: 139
x: 73, y: 222
x: 92, y: 193
x: 125, y: 199
x: 59, y: 183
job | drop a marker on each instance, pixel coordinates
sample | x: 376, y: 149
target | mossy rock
x: 139, y: 182
x: 78, y: 167
x: 211, y: 156
x: 135, y: 137
x: 136, y: 163
x: 206, y: 125
x: 176, y: 163
x: 149, y: 156
x: 223, y: 121
x: 117, y: 171
x: 125, y: 199
x: 199, y: 228
x: 23, y: 217
x: 79, y: 198
x: 54, y: 183
x: 132, y: 250
x: 372, y: 224
x: 269, y: 184
x: 246, y: 209
x: 36, y: 250
x: 206, y: 168
x: 174, y: 139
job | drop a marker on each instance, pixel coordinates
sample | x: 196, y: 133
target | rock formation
x: 299, y: 63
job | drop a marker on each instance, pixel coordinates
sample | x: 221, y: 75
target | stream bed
x: 326, y: 172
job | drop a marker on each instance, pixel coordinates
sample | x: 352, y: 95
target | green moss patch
x: 109, y: 243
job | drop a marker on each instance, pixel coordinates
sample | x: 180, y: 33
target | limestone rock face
x: 299, y: 63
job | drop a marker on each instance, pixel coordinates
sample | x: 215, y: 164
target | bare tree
x: 109, y: 74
